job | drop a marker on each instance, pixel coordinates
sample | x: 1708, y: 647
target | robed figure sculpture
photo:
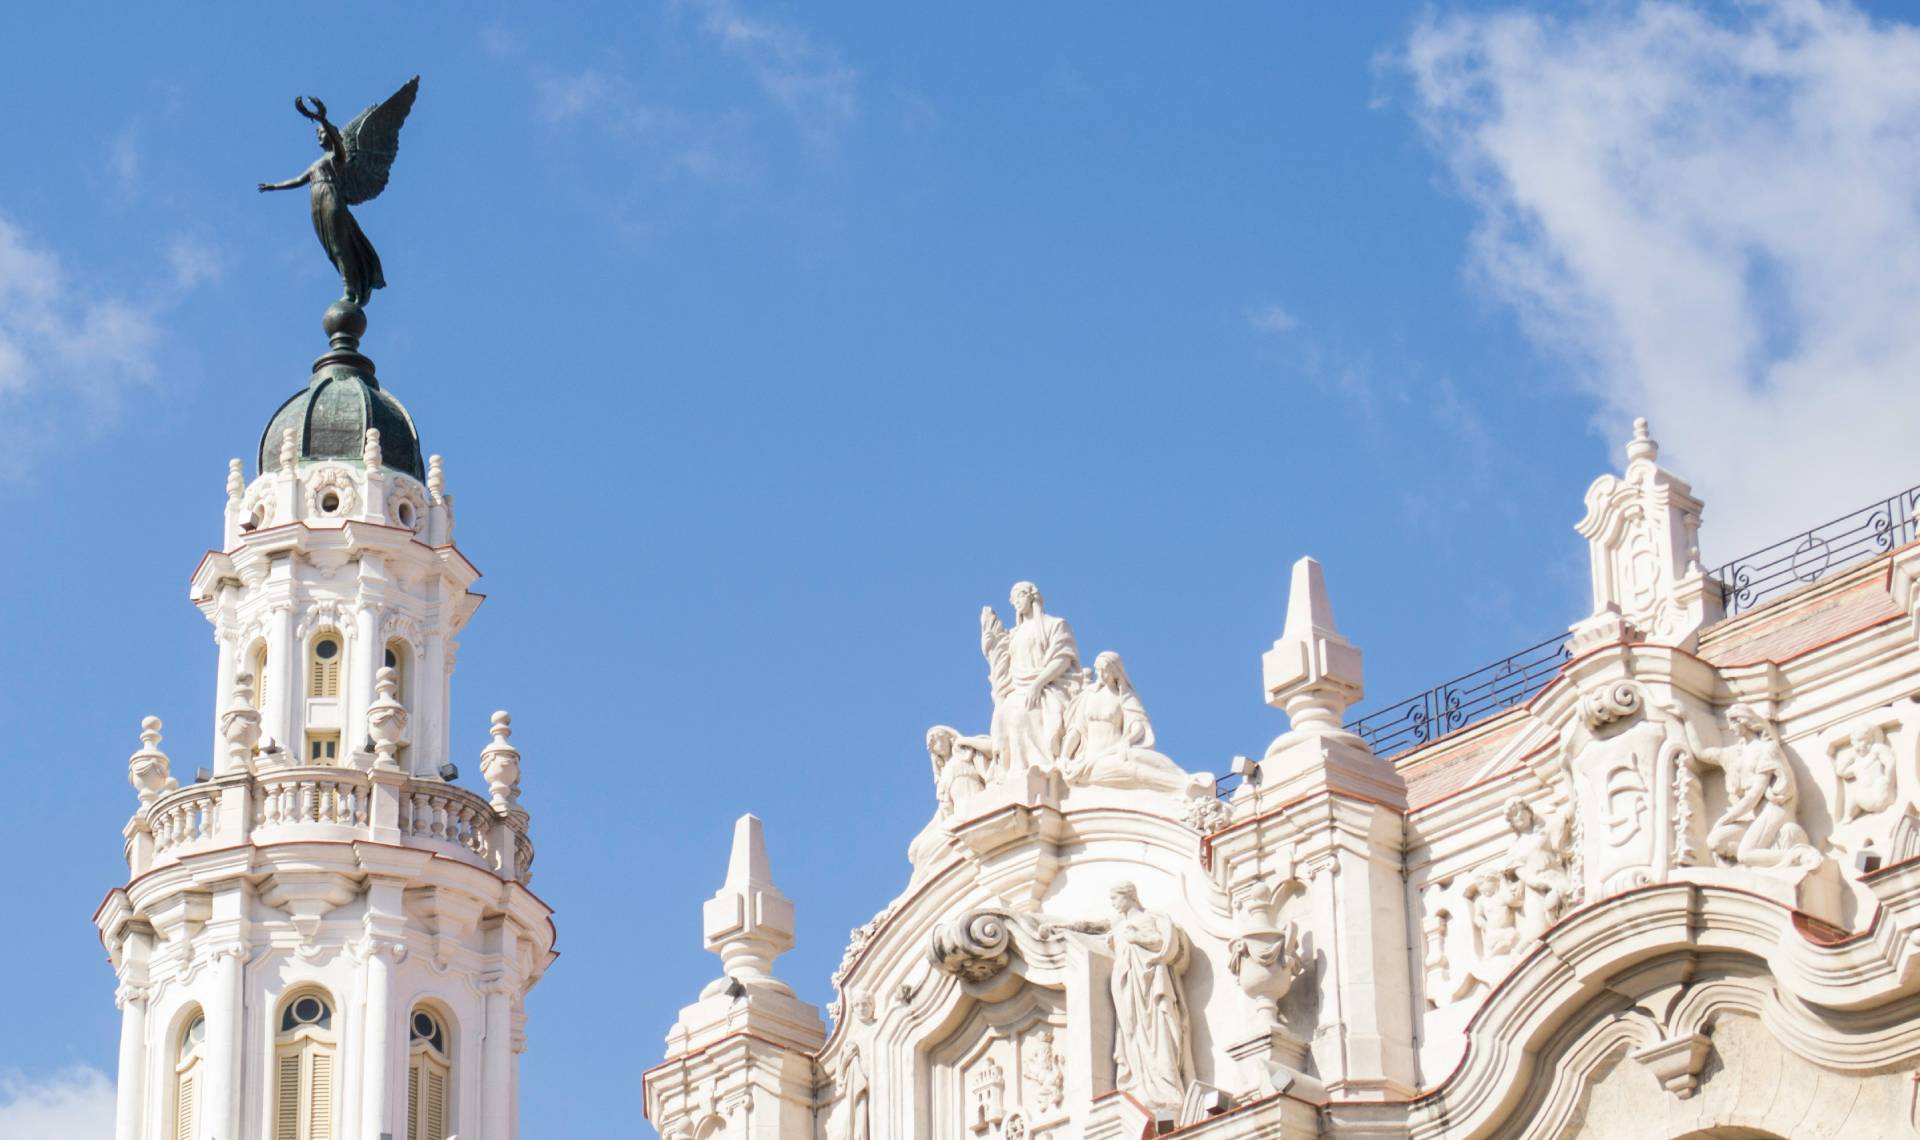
x: 352, y: 170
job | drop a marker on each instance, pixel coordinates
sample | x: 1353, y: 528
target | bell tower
x: 323, y: 935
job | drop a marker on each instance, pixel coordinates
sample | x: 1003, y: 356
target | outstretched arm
x: 306, y: 176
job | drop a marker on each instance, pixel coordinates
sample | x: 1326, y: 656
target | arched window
x: 303, y: 1070
x: 323, y: 678
x: 260, y: 676
x: 429, y: 1073
x: 187, y: 1068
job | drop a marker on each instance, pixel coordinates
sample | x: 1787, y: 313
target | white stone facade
x: 1674, y: 892
x: 321, y: 936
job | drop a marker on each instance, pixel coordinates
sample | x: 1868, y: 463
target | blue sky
x: 767, y: 343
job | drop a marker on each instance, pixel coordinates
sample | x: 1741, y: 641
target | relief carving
x: 1864, y: 764
x: 1266, y: 960
x: 974, y: 947
x: 1760, y: 826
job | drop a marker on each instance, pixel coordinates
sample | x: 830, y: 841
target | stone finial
x: 1643, y: 538
x: 147, y: 769
x: 370, y: 452
x: 289, y: 450
x: 236, y: 480
x: 436, y: 478
x: 500, y: 764
x: 240, y: 726
x: 748, y: 922
x: 386, y: 718
x: 1312, y: 672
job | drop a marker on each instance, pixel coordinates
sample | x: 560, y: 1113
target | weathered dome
x: 331, y: 415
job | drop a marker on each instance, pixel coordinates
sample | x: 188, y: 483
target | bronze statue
x: 353, y: 170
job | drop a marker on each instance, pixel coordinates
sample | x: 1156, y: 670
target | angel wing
x: 371, y: 141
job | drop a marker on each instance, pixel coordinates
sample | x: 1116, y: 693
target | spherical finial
x: 502, y: 725
x: 150, y: 731
x: 344, y: 319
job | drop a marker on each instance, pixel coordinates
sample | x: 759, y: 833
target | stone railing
x: 189, y: 817
x: 293, y: 805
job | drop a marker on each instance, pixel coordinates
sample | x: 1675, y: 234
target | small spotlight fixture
x: 202, y: 775
x: 449, y: 772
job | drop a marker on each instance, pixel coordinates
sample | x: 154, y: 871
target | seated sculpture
x: 1109, y: 740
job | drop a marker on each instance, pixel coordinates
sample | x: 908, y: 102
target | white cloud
x: 1272, y: 319
x: 804, y: 77
x: 60, y: 342
x: 76, y: 1104
x: 1713, y: 219
x: 123, y: 158
x: 195, y: 262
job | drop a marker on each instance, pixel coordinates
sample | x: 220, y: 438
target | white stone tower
x: 323, y: 937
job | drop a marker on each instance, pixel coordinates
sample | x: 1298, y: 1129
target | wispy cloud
x: 1271, y: 319
x: 123, y: 161
x: 76, y: 1104
x: 60, y: 342
x: 804, y: 77
x: 1711, y: 218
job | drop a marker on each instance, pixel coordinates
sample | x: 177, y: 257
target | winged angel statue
x: 353, y: 170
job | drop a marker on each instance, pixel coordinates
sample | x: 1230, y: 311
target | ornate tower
x: 322, y: 936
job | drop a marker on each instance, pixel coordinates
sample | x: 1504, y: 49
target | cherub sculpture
x: 353, y: 170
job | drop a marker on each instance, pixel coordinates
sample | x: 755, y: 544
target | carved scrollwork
x: 331, y: 491
x: 1604, y: 704
x: 974, y: 947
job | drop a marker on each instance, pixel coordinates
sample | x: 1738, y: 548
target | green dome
x: 331, y: 416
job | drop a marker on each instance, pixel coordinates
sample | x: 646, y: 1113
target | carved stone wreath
x: 337, y: 481
x: 406, y: 493
x: 258, y: 505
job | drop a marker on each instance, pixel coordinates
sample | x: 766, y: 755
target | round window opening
x: 422, y: 1025
x: 327, y: 649
x: 330, y: 502
x: 406, y: 514
x: 393, y: 659
x: 306, y: 1010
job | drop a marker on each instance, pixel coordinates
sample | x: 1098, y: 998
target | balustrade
x: 288, y: 804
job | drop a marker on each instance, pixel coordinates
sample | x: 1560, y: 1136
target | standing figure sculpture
x: 353, y: 170
x: 1864, y: 763
x: 1035, y: 672
x: 1109, y: 740
x: 1152, y: 1036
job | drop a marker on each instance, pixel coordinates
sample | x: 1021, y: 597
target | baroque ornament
x: 974, y: 947
x: 1034, y: 670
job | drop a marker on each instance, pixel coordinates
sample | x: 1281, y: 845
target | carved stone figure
x: 353, y: 169
x: 1152, y: 1038
x: 1864, y: 762
x: 1035, y: 672
x: 1109, y: 740
x: 1265, y: 959
x: 959, y: 765
x: 1538, y: 860
x: 1759, y: 827
x: 1497, y: 897
x: 1045, y: 1071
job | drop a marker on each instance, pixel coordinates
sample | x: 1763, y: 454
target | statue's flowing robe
x: 340, y: 235
x: 1152, y: 1053
x: 1113, y: 745
x: 1025, y: 736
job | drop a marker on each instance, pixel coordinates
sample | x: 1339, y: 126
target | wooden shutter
x: 413, y: 1101
x: 320, y: 1098
x: 436, y: 1104
x: 286, y: 1097
x: 185, y: 1108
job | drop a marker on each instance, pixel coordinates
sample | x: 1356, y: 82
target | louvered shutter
x: 185, y: 1108
x: 320, y: 1110
x: 286, y: 1098
x: 413, y: 1101
x: 436, y: 1104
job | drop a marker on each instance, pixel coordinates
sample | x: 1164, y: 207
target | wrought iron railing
x: 1468, y: 697
x: 1873, y: 529
x: 1876, y: 528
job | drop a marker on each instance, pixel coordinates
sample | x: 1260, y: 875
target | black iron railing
x: 1873, y: 529
x: 1876, y: 528
x: 1468, y: 697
